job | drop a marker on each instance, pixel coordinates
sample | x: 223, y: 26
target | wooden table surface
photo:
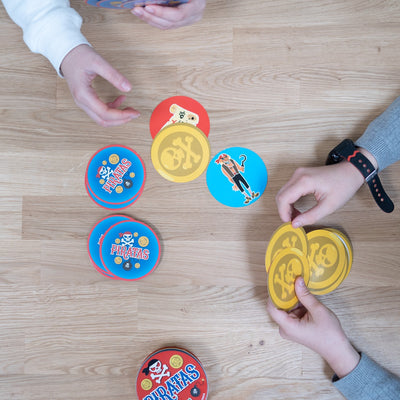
x: 286, y: 79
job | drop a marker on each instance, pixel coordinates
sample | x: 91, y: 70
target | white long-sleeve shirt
x: 50, y: 27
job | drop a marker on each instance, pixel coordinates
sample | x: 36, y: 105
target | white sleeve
x: 50, y: 27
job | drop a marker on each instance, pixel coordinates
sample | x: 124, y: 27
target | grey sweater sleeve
x: 382, y: 137
x: 368, y: 381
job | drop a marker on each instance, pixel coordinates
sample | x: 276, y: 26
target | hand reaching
x: 316, y: 327
x: 165, y: 17
x: 80, y: 67
x: 331, y: 185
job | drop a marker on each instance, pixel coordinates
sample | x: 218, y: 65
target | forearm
x: 342, y: 357
x: 50, y: 27
x: 368, y: 381
x: 382, y: 137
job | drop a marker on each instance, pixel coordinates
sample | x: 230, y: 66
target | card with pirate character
x: 237, y: 177
x: 115, y: 176
x: 173, y: 374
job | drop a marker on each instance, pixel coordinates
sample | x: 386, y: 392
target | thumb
x: 304, y: 295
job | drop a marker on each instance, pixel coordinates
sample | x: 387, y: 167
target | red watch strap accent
x: 346, y: 150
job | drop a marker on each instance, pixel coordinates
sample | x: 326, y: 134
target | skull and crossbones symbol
x: 287, y: 274
x: 322, y: 257
x: 104, y: 172
x: 157, y: 370
x: 127, y: 239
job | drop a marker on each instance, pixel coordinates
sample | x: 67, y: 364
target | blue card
x: 237, y: 177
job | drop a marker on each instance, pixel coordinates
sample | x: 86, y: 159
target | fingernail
x: 138, y: 11
x: 126, y: 86
x: 149, y: 9
x: 301, y: 281
x: 296, y: 224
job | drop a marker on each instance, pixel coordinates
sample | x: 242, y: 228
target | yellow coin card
x: 285, y: 237
x: 348, y: 248
x: 285, y: 268
x: 334, y: 285
x: 327, y: 259
x: 180, y: 152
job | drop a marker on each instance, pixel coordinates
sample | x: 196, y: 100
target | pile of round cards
x: 323, y: 257
x: 180, y: 151
x: 123, y: 248
x: 115, y: 177
x: 171, y: 373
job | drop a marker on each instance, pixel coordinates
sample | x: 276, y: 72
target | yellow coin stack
x: 323, y: 257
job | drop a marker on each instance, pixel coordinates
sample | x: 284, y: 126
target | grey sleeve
x: 382, y: 137
x: 368, y: 381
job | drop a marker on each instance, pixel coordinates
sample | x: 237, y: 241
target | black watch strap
x: 347, y: 150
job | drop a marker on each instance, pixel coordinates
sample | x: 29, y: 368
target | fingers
x: 313, y: 215
x: 109, y: 73
x: 292, y: 191
x: 164, y: 17
x: 279, y: 316
x: 104, y: 114
x: 304, y: 295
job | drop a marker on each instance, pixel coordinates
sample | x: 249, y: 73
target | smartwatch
x: 347, y: 150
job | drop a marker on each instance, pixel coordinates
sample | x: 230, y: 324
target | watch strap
x: 347, y: 150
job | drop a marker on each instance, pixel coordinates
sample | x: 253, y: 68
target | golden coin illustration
x: 143, y: 241
x: 119, y: 189
x: 285, y: 268
x: 285, y: 237
x: 118, y: 260
x: 348, y: 248
x: 146, y: 384
x: 180, y: 152
x: 113, y: 159
x: 176, y: 361
x: 327, y: 259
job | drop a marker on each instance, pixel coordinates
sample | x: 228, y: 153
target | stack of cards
x: 128, y: 4
x: 181, y: 150
x: 237, y: 177
x: 323, y: 257
x: 123, y: 248
x: 171, y: 373
x: 115, y: 177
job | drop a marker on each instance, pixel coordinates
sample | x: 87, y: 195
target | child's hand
x: 164, y: 17
x: 316, y: 327
x: 331, y: 185
x: 80, y: 67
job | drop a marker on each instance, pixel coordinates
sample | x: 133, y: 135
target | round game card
x: 95, y: 238
x: 171, y: 373
x: 180, y: 152
x: 179, y: 109
x: 130, y: 250
x: 115, y: 176
x: 285, y: 268
x: 237, y: 177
